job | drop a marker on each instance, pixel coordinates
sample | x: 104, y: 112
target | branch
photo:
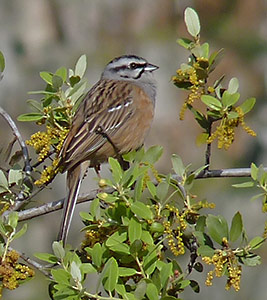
x: 17, y: 134
x: 241, y: 172
x: 57, y: 205
x: 50, y: 207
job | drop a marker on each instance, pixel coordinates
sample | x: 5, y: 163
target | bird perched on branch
x: 112, y: 119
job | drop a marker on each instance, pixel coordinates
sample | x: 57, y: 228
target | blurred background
x: 43, y: 35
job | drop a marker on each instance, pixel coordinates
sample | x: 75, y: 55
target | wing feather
x: 108, y: 110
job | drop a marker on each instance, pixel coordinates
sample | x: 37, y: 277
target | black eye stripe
x: 133, y: 66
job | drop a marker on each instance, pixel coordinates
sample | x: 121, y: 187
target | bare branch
x: 17, y: 134
x: 241, y: 172
x: 57, y: 205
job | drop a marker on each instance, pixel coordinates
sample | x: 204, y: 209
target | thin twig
x: 17, y: 134
x: 33, y: 263
x: 57, y: 205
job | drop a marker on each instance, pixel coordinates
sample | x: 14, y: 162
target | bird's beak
x: 150, y: 67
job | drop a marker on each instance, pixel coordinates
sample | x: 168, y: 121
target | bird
x: 112, y: 119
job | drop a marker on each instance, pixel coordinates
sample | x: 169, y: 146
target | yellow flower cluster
x: 224, y: 262
x: 48, y: 173
x: 174, y: 235
x: 243, y: 124
x: 193, y: 79
x: 225, y: 132
x: 11, y: 272
x: 42, y: 141
x: 97, y: 235
x: 175, y: 241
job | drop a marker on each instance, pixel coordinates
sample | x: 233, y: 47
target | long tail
x: 74, y: 179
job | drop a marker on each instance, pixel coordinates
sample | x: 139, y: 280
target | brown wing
x: 106, y: 107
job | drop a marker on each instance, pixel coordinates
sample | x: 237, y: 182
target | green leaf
x: 153, y: 154
x: 75, y: 272
x: 170, y: 298
x: 205, y: 250
x: 116, y: 238
x: 232, y: 115
x: 251, y: 260
x: 13, y: 219
x: 48, y: 257
x: 152, y: 188
x: 35, y: 104
x: 135, y: 247
x: 165, y: 274
x: 3, y: 180
x: 205, y: 52
x: 125, y: 272
x: 202, y: 139
x: 246, y: 184
x: 141, y: 210
x: 152, y: 291
x: 138, y: 189
x: 157, y: 227
x: 254, y: 171
x: 14, y: 176
x: 140, y: 290
x: 111, y: 274
x: 147, y: 238
x: 186, y: 43
x: 30, y: 117
x: 74, y: 80
x: 21, y: 231
x: 80, y: 66
x: 162, y: 191
x: 236, y: 227
x: 217, y: 228
x: 62, y: 72
x: 94, y: 208
x: 57, y: 82
x: 256, y: 242
x: 58, y: 250
x: 122, y: 249
x: 192, y: 21
x: 177, y: 165
x: 87, y: 268
x: 233, y: 85
x: 47, y: 77
x: 115, y: 169
x: 76, y: 92
x: 211, y: 102
x: 247, y: 105
x: 61, y: 276
x: 195, y: 286
x: 201, y: 223
x: 2, y: 62
x: 97, y: 255
x: 134, y: 230
x: 229, y: 99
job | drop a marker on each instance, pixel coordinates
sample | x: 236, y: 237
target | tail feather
x: 74, y: 179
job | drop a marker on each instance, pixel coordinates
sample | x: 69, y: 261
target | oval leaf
x: 211, y: 102
x: 141, y: 210
x: 192, y: 21
x: 233, y: 85
x: 236, y: 227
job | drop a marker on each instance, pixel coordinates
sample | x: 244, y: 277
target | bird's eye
x: 133, y: 65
